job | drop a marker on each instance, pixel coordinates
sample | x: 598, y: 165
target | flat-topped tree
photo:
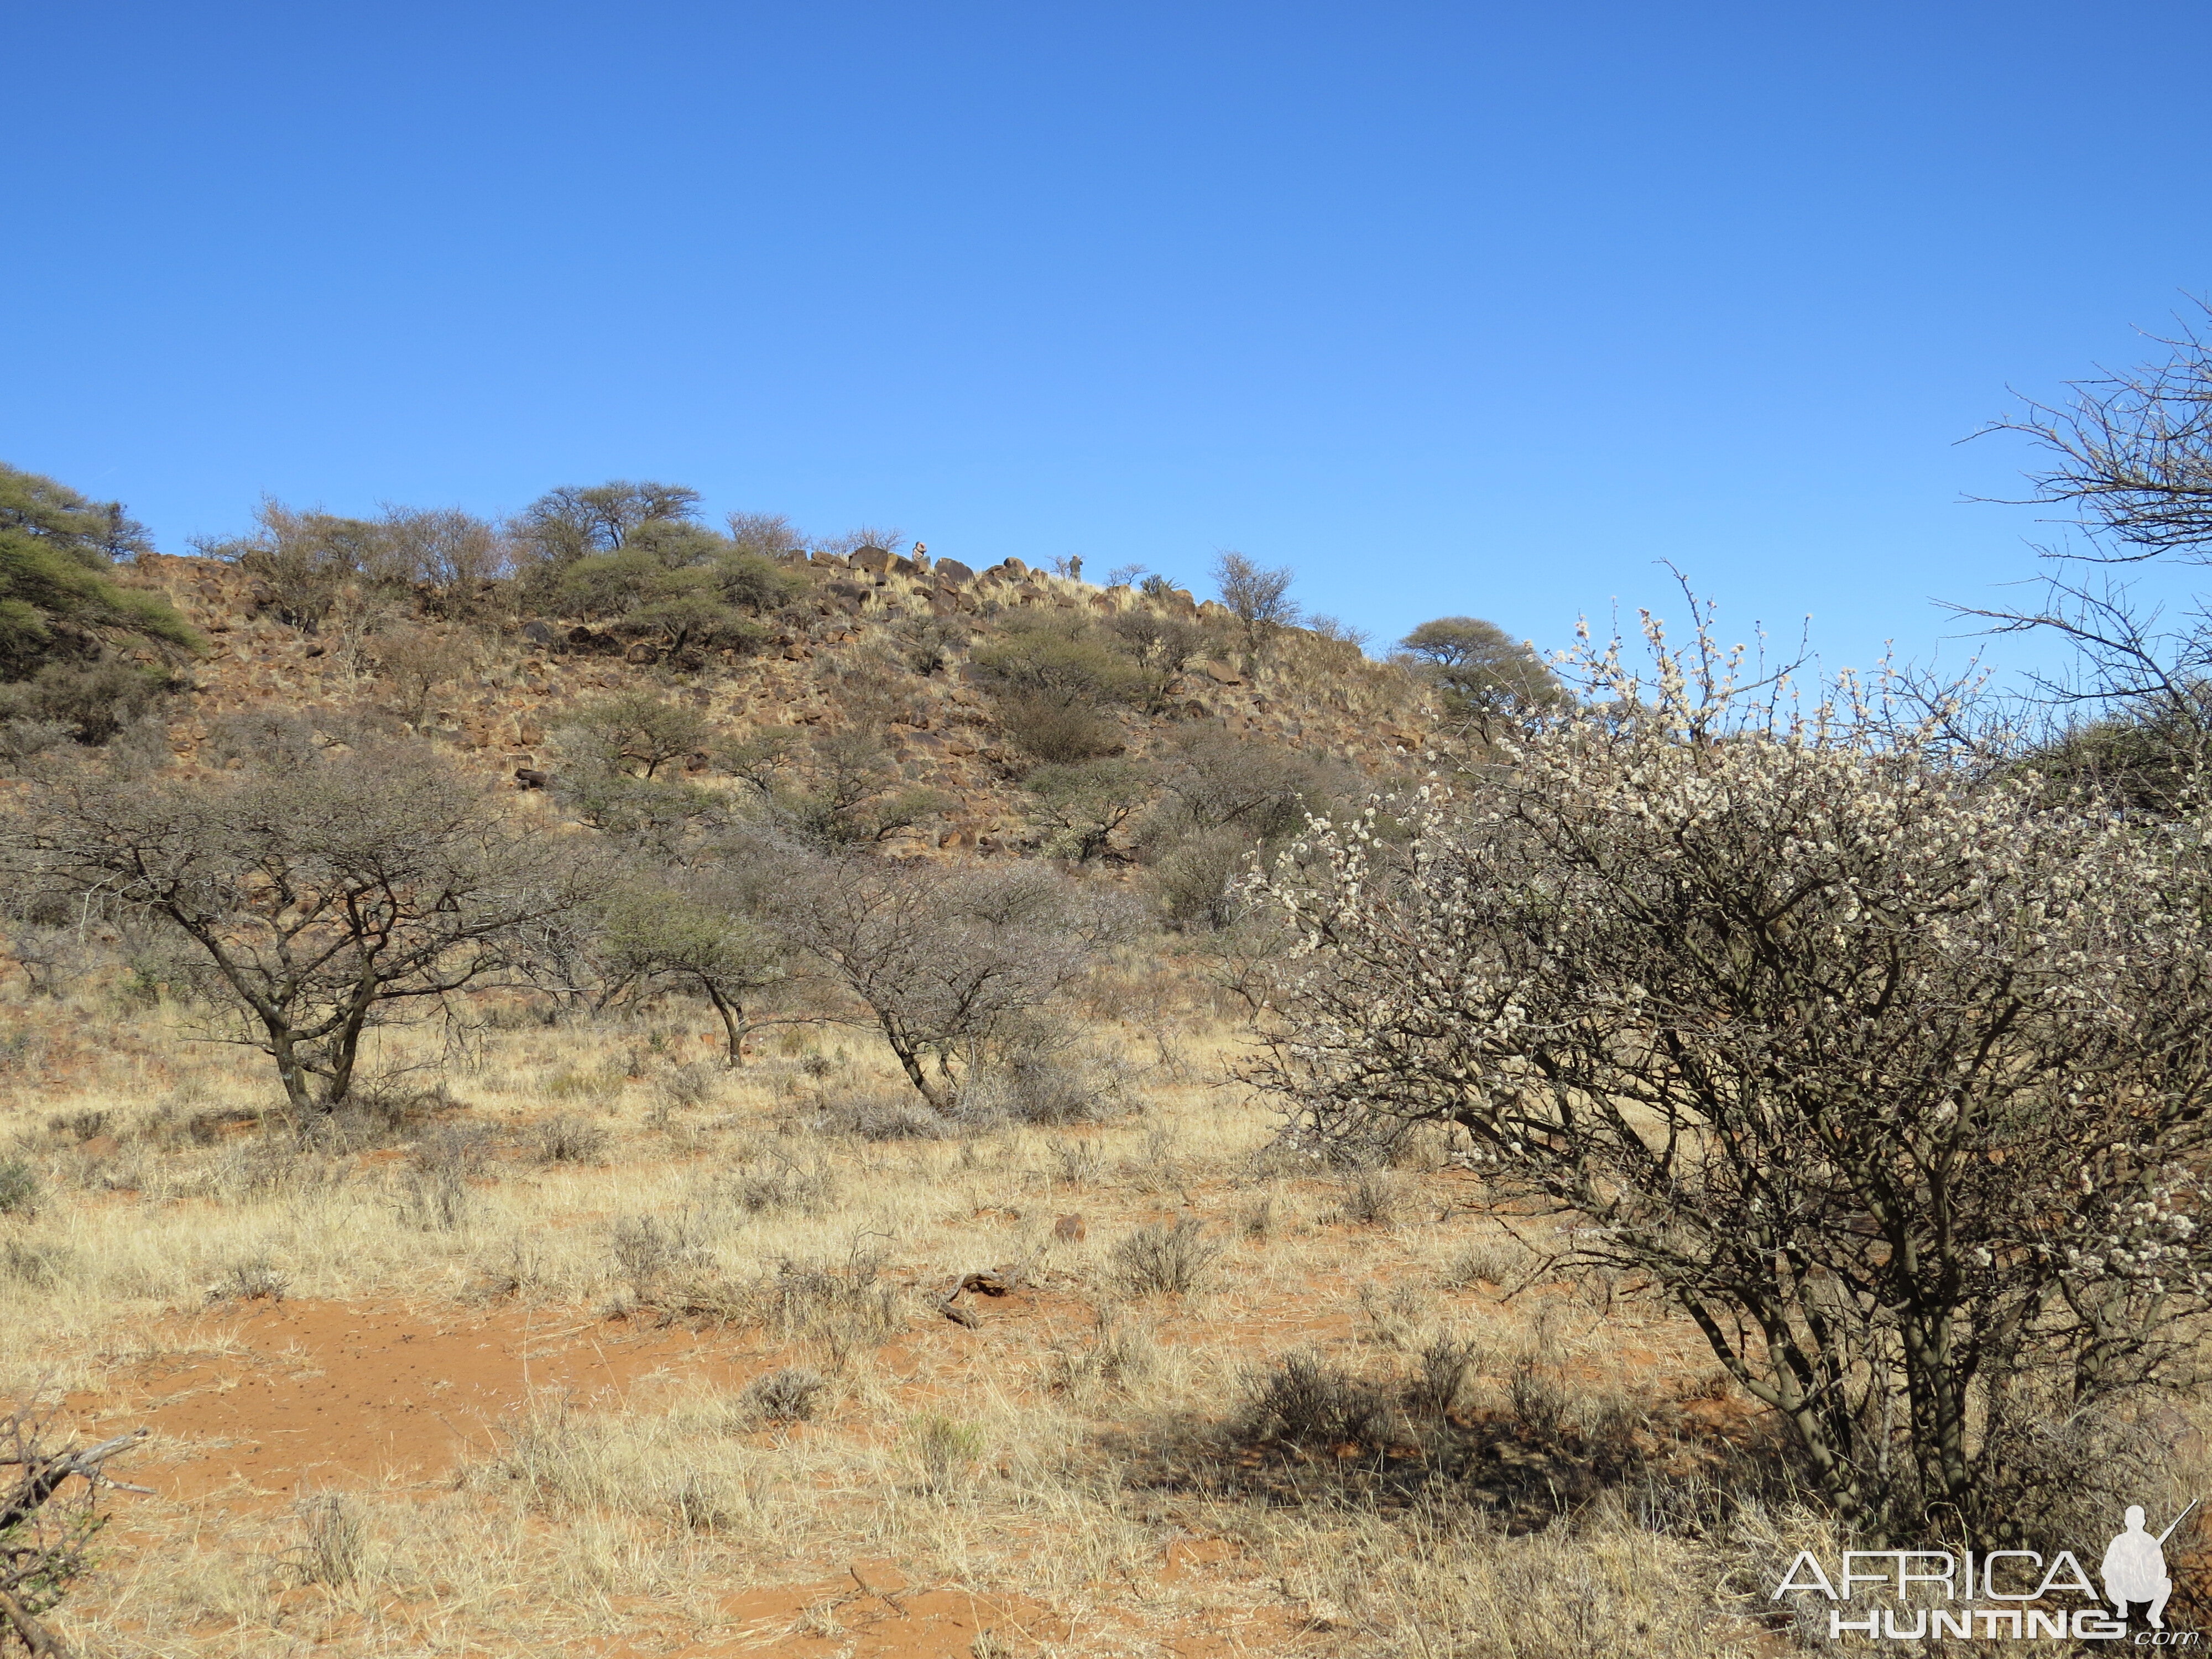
x: 1488, y: 678
x: 315, y: 901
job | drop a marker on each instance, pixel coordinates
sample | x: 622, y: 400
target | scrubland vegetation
x: 601, y: 1085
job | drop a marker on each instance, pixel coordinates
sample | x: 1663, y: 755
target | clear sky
x: 1454, y: 307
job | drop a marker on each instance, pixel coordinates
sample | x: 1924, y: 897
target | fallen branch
x: 42, y: 1642
x: 44, y: 1475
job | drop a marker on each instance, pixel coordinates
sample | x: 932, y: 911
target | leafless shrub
x: 1441, y: 1372
x: 435, y: 1191
x: 783, y: 1183
x: 88, y: 1124
x: 1163, y: 1260
x: 434, y: 1201
x: 843, y: 1303
x: 1077, y: 1162
x: 1498, y: 1258
x: 1302, y: 1400
x: 1257, y: 1220
x: 1117, y: 1356
x: 266, y: 736
x: 565, y: 1138
x: 335, y: 1545
x: 1051, y: 1085
x: 648, y: 1252
x: 1395, y: 1318
x: 256, y: 1278
x: 1368, y: 1198
x: 1538, y: 1398
x: 793, y: 1395
x: 874, y: 1117
x: 687, y: 1085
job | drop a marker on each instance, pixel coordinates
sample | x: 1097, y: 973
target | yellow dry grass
x: 1012, y: 1488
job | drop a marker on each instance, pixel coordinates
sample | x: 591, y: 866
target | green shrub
x: 19, y: 1188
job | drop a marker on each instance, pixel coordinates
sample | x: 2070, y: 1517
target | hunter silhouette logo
x: 1964, y: 1595
x: 2135, y: 1567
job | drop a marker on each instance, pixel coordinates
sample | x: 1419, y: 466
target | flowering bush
x: 1889, y: 1070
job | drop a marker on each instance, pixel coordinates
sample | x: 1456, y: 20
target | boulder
x: 953, y: 570
x: 878, y: 559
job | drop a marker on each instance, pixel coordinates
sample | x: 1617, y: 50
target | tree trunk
x: 910, y: 1059
x: 734, y: 1016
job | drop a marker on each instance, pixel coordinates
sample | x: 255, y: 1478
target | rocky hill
x: 906, y: 652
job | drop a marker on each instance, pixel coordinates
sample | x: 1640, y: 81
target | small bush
x: 1055, y: 733
x: 1079, y: 1161
x: 19, y: 1187
x: 1157, y: 1261
x: 436, y: 1200
x: 1369, y: 1198
x: 840, y: 1302
x: 567, y: 1139
x: 1118, y: 1357
x: 336, y: 1542
x: 1302, y: 1400
x: 646, y: 1252
x: 1050, y: 1087
x: 786, y: 1185
x: 687, y: 1084
x: 793, y: 1395
x: 880, y: 1117
x: 1538, y: 1398
x: 944, y: 1452
x: 41, y: 1266
x: 79, y: 1127
x: 253, y: 1279
x: 1441, y: 1372
x: 1496, y: 1261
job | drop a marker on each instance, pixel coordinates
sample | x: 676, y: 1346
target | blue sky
x: 1454, y: 308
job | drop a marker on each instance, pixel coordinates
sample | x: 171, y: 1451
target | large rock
x: 953, y: 571
x: 878, y: 559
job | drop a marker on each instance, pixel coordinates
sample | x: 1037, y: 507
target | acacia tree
x: 693, y: 933
x: 948, y: 963
x: 1487, y: 678
x: 317, y: 902
x: 1893, y: 1081
x: 1257, y: 596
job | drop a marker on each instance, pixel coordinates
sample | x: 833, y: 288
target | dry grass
x: 787, y: 1415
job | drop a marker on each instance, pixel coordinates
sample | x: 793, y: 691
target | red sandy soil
x: 327, y: 1394
x: 293, y: 1396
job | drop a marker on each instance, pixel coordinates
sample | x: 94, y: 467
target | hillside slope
x: 875, y: 645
